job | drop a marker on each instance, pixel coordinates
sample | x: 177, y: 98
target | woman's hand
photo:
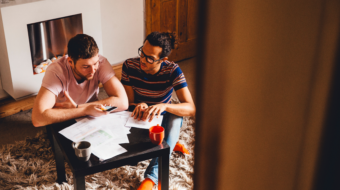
x: 153, y: 110
x: 139, y: 110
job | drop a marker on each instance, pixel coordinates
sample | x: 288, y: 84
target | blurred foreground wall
x: 264, y: 82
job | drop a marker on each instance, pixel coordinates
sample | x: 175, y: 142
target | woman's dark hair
x: 166, y: 40
x: 81, y: 46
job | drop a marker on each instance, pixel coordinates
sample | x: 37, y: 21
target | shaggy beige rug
x: 29, y: 164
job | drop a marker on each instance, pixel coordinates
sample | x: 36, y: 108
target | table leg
x: 50, y: 137
x: 79, y: 182
x: 163, y: 172
x: 59, y: 160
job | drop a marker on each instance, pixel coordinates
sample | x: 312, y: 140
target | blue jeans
x: 172, y: 125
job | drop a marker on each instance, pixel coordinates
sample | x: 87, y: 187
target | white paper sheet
x: 98, y: 137
x: 105, y: 133
x: 122, y: 114
x: 108, y: 150
x: 79, y: 130
x: 132, y: 122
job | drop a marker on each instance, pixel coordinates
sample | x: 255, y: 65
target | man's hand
x: 153, y: 110
x: 69, y: 103
x: 139, y: 110
x: 95, y: 110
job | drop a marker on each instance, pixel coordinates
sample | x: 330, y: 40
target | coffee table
x: 140, y: 148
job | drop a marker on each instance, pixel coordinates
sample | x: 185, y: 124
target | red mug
x: 156, y: 134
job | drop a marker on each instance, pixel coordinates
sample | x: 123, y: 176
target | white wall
x: 122, y: 28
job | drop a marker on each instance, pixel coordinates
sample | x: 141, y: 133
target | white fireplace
x: 17, y: 76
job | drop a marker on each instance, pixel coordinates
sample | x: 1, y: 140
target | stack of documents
x: 105, y: 133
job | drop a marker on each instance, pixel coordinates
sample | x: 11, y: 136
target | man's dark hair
x: 81, y: 46
x: 166, y: 40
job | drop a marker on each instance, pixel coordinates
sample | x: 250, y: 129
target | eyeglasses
x: 149, y: 59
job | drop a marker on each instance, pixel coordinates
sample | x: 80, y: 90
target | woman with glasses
x: 149, y: 81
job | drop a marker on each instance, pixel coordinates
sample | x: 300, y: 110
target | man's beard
x: 83, y: 78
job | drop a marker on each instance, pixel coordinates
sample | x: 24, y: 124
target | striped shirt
x: 152, y: 89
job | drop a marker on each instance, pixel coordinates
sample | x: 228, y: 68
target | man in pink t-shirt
x: 70, y: 86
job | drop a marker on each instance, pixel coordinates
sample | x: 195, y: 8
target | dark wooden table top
x: 139, y: 148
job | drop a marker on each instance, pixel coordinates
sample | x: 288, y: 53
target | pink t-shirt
x: 59, y: 78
